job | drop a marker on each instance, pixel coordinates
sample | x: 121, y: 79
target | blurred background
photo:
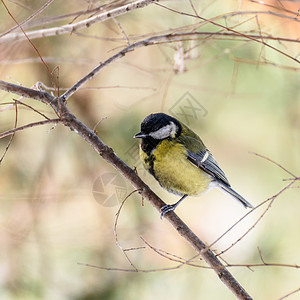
x: 59, y: 199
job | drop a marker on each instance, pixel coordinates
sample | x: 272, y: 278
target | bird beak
x: 140, y: 135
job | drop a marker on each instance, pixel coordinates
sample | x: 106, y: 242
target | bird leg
x: 170, y: 207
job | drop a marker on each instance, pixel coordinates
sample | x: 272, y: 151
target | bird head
x: 159, y: 126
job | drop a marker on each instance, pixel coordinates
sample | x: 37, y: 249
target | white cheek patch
x: 173, y: 129
x: 161, y: 133
x: 164, y: 132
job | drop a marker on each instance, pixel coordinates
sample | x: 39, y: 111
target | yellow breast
x: 174, y: 171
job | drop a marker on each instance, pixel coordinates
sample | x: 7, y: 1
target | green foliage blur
x: 59, y: 199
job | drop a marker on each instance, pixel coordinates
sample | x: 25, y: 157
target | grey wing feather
x: 206, y: 161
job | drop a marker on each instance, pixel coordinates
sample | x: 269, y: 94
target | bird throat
x: 149, y: 144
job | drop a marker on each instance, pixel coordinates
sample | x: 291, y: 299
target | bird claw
x: 165, y: 209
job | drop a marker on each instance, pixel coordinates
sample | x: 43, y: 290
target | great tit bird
x: 179, y: 160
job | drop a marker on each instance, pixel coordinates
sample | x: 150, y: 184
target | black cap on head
x: 156, y: 121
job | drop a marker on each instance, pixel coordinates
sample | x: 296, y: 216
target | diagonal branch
x: 70, y: 120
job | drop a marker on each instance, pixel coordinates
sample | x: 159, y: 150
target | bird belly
x: 176, y: 173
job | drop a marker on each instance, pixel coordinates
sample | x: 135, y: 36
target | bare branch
x: 30, y: 42
x: 264, y: 264
x: 69, y: 120
x: 233, y: 31
x: 187, y: 263
x: 32, y: 108
x: 271, y: 200
x: 193, y: 7
x: 282, y: 8
x: 166, y: 38
x: 167, y: 255
x: 124, y: 250
x: 12, y: 136
x: 290, y: 294
x: 132, y: 270
x: 13, y: 131
x: 32, y: 16
x: 275, y: 163
x: 69, y: 28
x: 26, y: 92
x: 122, y: 30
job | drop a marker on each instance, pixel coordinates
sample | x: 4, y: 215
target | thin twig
x: 167, y: 255
x: 265, y: 264
x: 32, y: 108
x: 31, y: 43
x: 122, y: 30
x: 138, y: 270
x: 275, y: 7
x: 290, y: 294
x: 31, y: 125
x: 275, y: 163
x: 12, y: 136
x: 124, y: 250
x: 97, y: 124
x: 193, y: 7
x: 271, y: 200
x: 266, y: 63
x: 32, y: 16
x: 231, y: 30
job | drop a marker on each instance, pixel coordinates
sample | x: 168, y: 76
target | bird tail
x: 234, y: 194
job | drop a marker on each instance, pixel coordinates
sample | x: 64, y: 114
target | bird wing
x: 205, y: 161
x: 201, y: 157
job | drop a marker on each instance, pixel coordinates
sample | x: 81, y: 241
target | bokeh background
x: 59, y: 199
